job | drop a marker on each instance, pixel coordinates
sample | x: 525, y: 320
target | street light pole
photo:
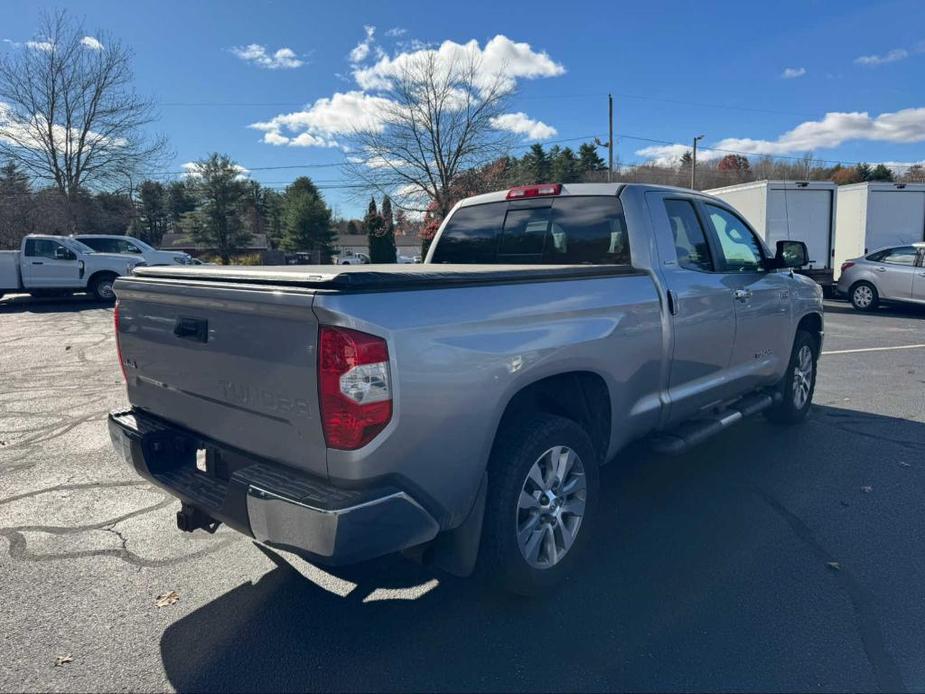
x: 694, y: 163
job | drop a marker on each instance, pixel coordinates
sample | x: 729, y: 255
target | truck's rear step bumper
x: 272, y: 503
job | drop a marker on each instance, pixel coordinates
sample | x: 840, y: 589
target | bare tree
x: 69, y: 114
x: 437, y: 122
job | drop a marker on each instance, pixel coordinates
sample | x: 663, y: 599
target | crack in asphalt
x: 885, y: 669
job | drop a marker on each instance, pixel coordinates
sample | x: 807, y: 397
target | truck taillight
x: 354, y: 386
x: 115, y: 322
x: 845, y: 266
x: 534, y: 191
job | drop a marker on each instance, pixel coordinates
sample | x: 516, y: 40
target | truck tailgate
x: 234, y: 363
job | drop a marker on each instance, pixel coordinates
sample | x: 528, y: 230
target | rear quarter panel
x: 459, y: 355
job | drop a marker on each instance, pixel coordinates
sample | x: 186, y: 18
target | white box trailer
x: 791, y: 210
x: 876, y: 215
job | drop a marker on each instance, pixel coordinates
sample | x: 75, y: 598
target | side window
x: 42, y: 248
x: 690, y: 241
x: 471, y: 235
x: 740, y: 249
x: 904, y: 255
x: 127, y: 247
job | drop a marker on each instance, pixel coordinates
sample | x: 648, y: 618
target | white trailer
x: 791, y: 210
x: 876, y: 215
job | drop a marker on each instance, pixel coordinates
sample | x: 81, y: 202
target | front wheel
x: 799, y: 383
x: 542, y: 494
x: 102, y: 288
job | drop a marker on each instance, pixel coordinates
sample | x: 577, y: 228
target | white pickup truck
x: 53, y: 265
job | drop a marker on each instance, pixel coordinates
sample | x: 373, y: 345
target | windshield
x: 142, y: 244
x: 82, y: 247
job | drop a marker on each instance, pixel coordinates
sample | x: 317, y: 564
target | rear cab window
x: 570, y: 230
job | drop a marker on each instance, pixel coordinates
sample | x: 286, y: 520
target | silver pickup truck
x: 459, y: 409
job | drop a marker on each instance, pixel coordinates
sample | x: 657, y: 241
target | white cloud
x: 40, y: 45
x: 905, y: 126
x: 891, y: 57
x: 500, y: 57
x: 340, y: 114
x: 281, y: 59
x: 521, y: 124
x: 395, y: 32
x: 367, y: 108
x: 92, y: 43
x: 361, y: 51
x: 793, y: 72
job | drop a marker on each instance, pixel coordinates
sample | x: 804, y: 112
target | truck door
x: 764, y: 336
x: 700, y: 305
x: 802, y: 214
x: 48, y: 264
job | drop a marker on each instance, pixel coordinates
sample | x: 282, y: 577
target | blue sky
x: 677, y: 69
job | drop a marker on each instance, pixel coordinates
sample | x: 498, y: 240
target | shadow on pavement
x: 24, y: 303
x: 705, y: 576
x: 884, y: 310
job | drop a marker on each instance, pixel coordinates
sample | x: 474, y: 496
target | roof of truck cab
x: 572, y: 189
x: 379, y: 277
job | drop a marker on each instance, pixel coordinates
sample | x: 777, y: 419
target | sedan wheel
x: 864, y: 296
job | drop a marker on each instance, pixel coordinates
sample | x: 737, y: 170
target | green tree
x: 153, y: 212
x: 181, y: 199
x: 589, y: 159
x: 374, y: 226
x: 863, y: 171
x: 382, y: 244
x: 306, y: 219
x: 566, y: 167
x: 275, y: 225
x: 881, y: 172
x: 16, y: 205
x: 535, y: 165
x: 217, y: 222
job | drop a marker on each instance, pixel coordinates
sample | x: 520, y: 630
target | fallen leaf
x: 67, y: 348
x: 165, y: 599
x: 834, y: 565
x: 867, y: 489
x: 63, y: 660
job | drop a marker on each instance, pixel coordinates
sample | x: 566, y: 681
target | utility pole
x: 610, y: 140
x: 609, y: 143
x: 694, y: 163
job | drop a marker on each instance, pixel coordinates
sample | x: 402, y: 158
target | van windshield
x: 573, y: 230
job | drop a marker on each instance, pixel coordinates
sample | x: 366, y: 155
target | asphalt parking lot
x: 768, y: 559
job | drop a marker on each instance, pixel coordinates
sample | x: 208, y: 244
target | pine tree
x: 306, y: 220
x: 589, y: 159
x: 536, y: 165
x: 382, y: 248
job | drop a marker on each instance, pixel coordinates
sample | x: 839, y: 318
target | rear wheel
x: 799, y: 383
x: 864, y: 296
x: 102, y: 287
x: 542, y: 494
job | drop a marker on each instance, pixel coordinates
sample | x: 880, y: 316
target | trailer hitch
x: 190, y: 518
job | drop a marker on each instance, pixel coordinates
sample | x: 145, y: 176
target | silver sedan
x: 889, y: 274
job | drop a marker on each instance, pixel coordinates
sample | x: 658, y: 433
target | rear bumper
x: 272, y: 503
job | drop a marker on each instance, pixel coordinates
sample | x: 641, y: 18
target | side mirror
x: 791, y: 254
x: 64, y: 254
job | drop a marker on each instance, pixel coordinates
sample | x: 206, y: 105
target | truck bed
x: 381, y: 277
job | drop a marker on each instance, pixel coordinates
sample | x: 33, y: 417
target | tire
x: 864, y: 296
x: 524, y: 451
x: 797, y: 386
x: 101, y: 288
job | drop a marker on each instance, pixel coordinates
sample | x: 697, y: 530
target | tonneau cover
x: 380, y: 277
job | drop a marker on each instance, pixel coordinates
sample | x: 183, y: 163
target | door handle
x: 742, y: 294
x: 881, y: 269
x: 37, y: 262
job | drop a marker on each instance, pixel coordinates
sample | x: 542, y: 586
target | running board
x: 696, y: 431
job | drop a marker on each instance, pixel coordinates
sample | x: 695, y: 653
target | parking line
x: 872, y: 349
